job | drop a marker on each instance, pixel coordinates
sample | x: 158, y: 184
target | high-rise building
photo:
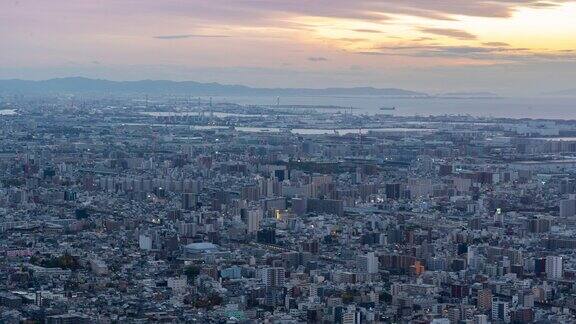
x: 351, y: 316
x: 253, y: 218
x: 500, y: 311
x: 250, y: 193
x: 481, y: 319
x: 454, y: 315
x: 554, y: 267
x: 393, y: 191
x: 367, y: 263
x: 538, y: 225
x: 484, y: 300
x: 539, y: 266
x: 568, y: 207
x: 186, y: 229
x: 145, y: 242
x: 189, y: 201
x: 326, y: 206
x: 273, y: 276
x: 299, y: 206
x: 266, y: 236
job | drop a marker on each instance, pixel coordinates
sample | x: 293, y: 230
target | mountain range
x: 80, y: 85
x: 562, y: 93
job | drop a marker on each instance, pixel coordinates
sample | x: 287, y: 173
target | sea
x: 507, y: 107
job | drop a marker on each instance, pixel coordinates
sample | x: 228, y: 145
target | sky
x: 519, y: 47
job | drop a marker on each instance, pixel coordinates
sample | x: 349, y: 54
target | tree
x: 192, y: 272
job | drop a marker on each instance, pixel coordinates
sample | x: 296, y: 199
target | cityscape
x: 186, y: 210
x: 288, y: 161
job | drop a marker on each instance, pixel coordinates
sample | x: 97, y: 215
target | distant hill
x: 469, y: 95
x: 567, y: 93
x: 77, y: 85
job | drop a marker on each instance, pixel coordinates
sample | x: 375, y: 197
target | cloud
x: 184, y: 36
x: 543, y: 5
x: 317, y: 59
x: 373, y: 53
x: 496, y: 44
x: 262, y: 12
x: 382, y: 10
x: 423, y: 39
x: 486, y: 54
x: 371, y: 31
x: 352, y: 39
x: 267, y: 32
x: 453, y: 33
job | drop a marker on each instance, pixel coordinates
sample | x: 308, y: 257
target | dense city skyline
x: 119, y: 207
x: 288, y: 161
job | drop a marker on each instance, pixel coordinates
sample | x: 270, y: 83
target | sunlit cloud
x: 370, y: 35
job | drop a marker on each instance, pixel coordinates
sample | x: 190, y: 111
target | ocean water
x: 537, y: 107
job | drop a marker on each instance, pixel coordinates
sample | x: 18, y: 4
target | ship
x: 388, y: 108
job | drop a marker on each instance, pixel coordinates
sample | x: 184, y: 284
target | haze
x: 520, y: 47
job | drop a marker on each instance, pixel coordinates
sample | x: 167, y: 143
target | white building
x: 554, y: 267
x: 351, y: 316
x: 253, y: 219
x: 500, y: 311
x: 367, y: 263
x: 145, y: 242
x: 481, y: 319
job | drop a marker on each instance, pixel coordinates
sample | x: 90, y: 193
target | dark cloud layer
x: 266, y: 11
x: 378, y: 9
x: 189, y: 36
x: 454, y: 33
x: 496, y: 53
